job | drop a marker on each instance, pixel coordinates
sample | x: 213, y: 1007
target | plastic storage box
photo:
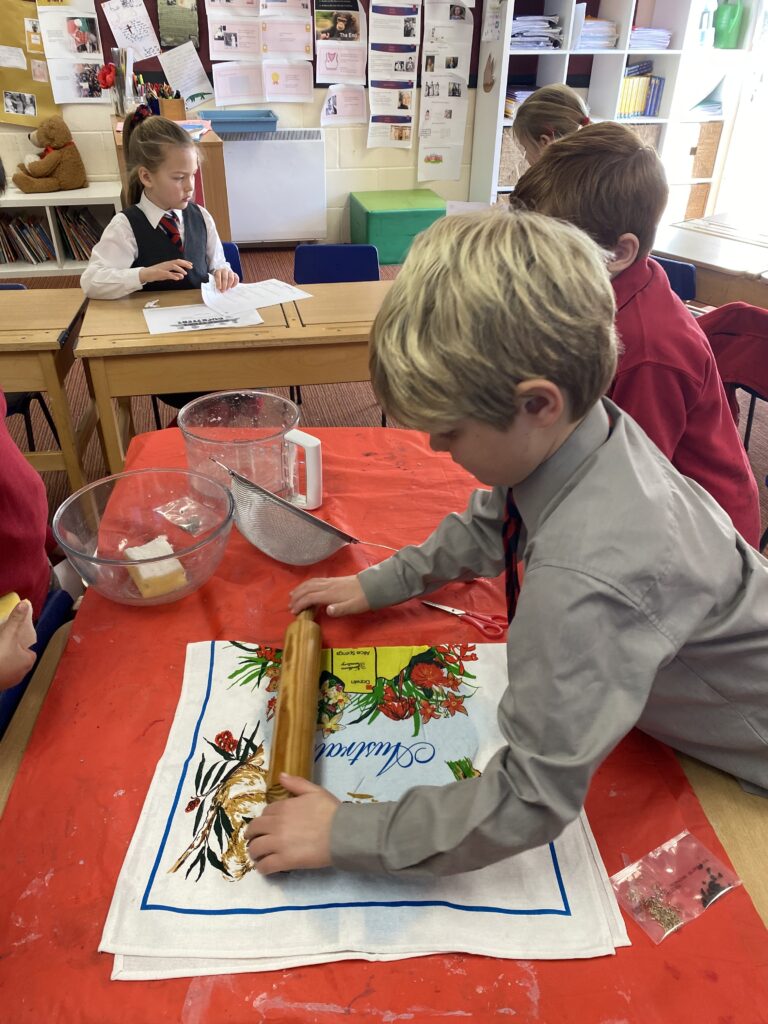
x: 390, y: 220
x: 240, y: 120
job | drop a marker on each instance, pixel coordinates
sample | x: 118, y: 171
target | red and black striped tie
x: 169, y: 222
x: 511, y: 536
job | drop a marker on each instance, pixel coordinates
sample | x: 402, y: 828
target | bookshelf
x: 690, y: 140
x: 101, y: 198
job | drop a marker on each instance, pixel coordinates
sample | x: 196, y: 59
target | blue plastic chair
x: 323, y: 264
x: 682, y: 277
x: 327, y: 264
x: 232, y: 254
x: 19, y: 403
x: 56, y: 611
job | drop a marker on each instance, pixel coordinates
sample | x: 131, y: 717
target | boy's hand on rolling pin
x: 225, y: 279
x: 340, y: 596
x: 171, y: 270
x: 293, y: 833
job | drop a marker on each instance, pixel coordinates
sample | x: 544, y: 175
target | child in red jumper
x: 611, y: 184
x: 24, y: 565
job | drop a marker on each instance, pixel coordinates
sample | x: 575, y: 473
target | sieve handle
x: 313, y: 458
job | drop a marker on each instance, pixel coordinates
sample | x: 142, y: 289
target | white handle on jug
x: 313, y: 459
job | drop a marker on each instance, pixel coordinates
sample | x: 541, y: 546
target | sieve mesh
x: 280, y: 529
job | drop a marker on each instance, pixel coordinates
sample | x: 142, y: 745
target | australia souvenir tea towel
x: 188, y: 901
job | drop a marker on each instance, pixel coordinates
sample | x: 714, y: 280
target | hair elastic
x: 141, y: 113
x: 584, y: 122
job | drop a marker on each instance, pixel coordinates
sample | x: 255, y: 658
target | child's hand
x: 340, y: 596
x: 171, y: 270
x: 293, y: 833
x: 225, y: 279
x: 16, y: 635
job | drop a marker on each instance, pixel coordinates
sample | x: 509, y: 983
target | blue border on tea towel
x: 562, y: 911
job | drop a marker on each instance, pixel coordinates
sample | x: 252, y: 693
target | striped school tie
x: 511, y: 536
x: 169, y: 222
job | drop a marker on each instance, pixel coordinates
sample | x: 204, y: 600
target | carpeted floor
x: 323, y: 405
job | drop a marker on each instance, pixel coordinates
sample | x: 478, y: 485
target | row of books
x: 513, y: 100
x: 79, y: 231
x: 640, y: 95
x: 24, y: 237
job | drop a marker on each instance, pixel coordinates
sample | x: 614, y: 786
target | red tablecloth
x: 104, y: 725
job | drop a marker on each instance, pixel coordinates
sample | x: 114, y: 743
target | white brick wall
x: 350, y: 165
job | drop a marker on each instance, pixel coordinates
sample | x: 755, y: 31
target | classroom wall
x: 350, y: 166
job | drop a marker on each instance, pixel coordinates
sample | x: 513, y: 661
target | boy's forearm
x: 462, y: 547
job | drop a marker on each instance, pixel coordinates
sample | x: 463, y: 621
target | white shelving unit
x: 692, y: 70
x: 103, y: 200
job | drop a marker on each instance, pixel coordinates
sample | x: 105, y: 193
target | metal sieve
x: 281, y: 529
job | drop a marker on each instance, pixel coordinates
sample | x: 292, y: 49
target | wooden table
x: 104, y: 724
x: 322, y: 340
x: 33, y: 358
x: 727, y: 269
x: 213, y: 177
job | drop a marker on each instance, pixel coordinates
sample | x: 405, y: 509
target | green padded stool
x: 391, y: 219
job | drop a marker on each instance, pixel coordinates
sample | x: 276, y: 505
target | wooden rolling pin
x: 296, y: 718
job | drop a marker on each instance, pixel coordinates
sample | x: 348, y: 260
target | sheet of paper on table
x: 244, y: 298
x: 188, y: 901
x: 179, y: 319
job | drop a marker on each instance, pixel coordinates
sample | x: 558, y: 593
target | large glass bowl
x: 99, y: 526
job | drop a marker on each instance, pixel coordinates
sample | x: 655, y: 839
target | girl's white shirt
x: 110, y: 274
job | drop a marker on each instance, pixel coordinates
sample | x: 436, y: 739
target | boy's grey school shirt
x: 641, y: 605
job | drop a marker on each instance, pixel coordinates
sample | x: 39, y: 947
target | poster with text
x: 131, y: 27
x: 444, y: 90
x: 26, y: 93
x: 392, y: 119
x: 186, y: 75
x: 70, y: 33
x: 76, y: 82
x: 341, y: 39
x: 344, y: 104
x: 392, y: 61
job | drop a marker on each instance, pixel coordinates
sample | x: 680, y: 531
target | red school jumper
x: 667, y: 380
x: 24, y: 565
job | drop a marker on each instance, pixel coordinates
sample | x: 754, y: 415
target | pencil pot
x: 174, y: 110
x: 253, y: 433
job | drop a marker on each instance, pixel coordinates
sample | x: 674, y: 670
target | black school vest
x: 156, y: 247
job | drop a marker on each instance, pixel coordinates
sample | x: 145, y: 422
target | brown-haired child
x: 610, y: 183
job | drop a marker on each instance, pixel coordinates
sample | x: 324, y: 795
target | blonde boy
x: 641, y: 604
x: 612, y: 185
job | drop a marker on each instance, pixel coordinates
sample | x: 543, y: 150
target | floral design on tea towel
x: 230, y: 789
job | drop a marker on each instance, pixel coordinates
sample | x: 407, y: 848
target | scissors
x: 492, y: 626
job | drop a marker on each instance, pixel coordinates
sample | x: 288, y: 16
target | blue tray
x: 240, y: 120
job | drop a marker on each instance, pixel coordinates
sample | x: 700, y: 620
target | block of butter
x: 156, y: 578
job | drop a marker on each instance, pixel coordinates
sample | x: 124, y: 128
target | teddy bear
x: 59, y: 166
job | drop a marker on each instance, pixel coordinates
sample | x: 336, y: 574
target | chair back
x: 56, y: 611
x: 232, y: 255
x: 323, y: 264
x: 738, y: 334
x: 682, y: 277
x: 11, y: 287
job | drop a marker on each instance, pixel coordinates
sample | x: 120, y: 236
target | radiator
x: 276, y: 185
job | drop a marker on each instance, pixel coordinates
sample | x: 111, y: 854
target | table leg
x: 63, y: 420
x: 98, y: 385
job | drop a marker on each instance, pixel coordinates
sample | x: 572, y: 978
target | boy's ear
x: 625, y: 252
x: 542, y: 400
